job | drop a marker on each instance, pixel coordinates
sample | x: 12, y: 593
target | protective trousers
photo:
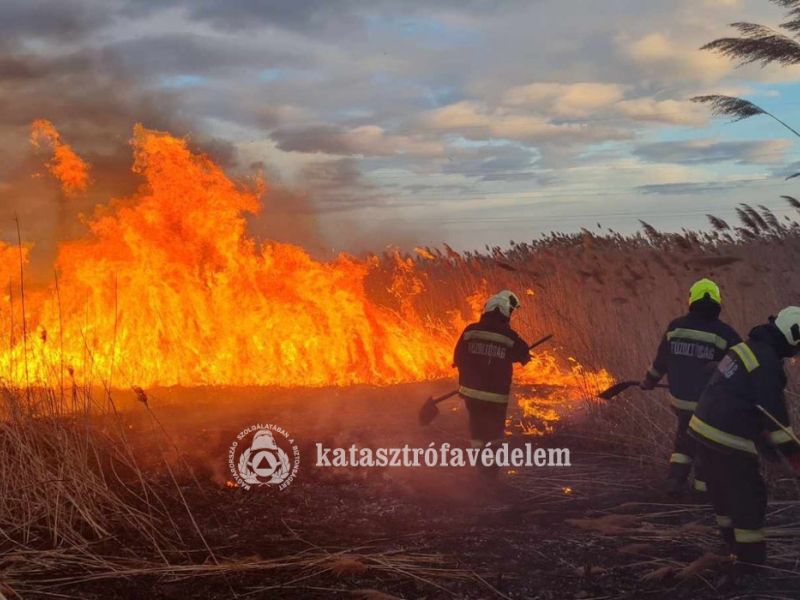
x: 487, y: 423
x: 683, y: 457
x: 739, y: 497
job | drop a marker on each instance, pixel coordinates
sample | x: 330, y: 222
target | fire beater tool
x: 429, y: 411
x: 781, y: 455
x: 618, y: 388
x: 787, y: 430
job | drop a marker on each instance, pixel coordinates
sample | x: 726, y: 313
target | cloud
x: 494, y: 162
x: 694, y: 187
x: 189, y: 53
x: 573, y: 100
x: 366, y: 140
x: 724, y: 3
x: 671, y: 112
x: 338, y: 185
x: 60, y: 20
x: 341, y: 101
x: 785, y: 171
x: 709, y: 151
x: 665, y: 58
x: 310, y: 15
x: 475, y: 121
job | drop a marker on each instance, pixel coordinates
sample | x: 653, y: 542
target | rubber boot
x: 726, y: 535
x: 675, y: 485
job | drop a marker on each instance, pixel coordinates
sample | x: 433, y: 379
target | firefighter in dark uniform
x: 742, y: 411
x: 484, y: 355
x: 686, y: 354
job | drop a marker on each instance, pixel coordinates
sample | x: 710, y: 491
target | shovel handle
x: 443, y: 397
x: 540, y: 342
x: 788, y: 431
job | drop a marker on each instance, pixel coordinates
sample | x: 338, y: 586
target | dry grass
x: 77, y: 508
x: 71, y: 485
x: 66, y: 481
x: 608, y: 297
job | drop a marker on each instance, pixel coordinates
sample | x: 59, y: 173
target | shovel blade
x: 428, y: 412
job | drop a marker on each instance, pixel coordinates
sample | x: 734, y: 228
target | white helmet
x: 788, y: 321
x: 506, y: 301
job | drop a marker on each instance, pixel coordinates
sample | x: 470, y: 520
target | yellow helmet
x: 701, y: 289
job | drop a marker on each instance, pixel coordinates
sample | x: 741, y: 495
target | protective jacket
x: 689, y: 346
x: 751, y: 374
x: 484, y: 356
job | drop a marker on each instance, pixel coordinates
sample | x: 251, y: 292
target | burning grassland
x: 136, y: 503
x: 168, y: 328
x: 168, y: 288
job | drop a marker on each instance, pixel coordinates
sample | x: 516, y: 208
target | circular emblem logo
x: 263, y: 455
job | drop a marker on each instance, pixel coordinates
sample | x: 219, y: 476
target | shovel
x: 618, y: 388
x: 429, y: 410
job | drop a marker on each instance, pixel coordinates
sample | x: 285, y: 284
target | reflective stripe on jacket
x: 686, y: 354
x: 750, y: 375
x: 485, y: 354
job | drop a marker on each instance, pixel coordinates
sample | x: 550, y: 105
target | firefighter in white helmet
x: 484, y: 355
x: 742, y: 413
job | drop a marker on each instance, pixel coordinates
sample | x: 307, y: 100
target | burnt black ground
x: 521, y: 543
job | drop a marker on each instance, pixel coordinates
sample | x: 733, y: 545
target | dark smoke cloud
x: 94, y: 105
x: 52, y: 19
x: 94, y: 97
x: 54, y: 66
x: 311, y: 15
x: 183, y: 53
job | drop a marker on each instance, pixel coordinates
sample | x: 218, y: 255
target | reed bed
x: 78, y: 507
x: 608, y: 297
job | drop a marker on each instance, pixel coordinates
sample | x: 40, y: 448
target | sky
x: 380, y: 122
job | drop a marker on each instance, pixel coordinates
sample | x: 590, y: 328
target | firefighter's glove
x: 648, y: 383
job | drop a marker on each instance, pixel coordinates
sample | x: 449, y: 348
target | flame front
x: 548, y: 391
x: 168, y: 289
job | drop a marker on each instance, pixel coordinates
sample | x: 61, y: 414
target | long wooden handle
x: 619, y: 387
x: 540, y: 342
x: 783, y: 427
x: 444, y: 397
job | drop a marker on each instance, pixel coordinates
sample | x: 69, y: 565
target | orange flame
x: 424, y: 253
x: 66, y: 166
x: 550, y: 390
x: 168, y: 289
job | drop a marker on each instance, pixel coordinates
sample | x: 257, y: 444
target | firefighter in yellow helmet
x: 742, y: 413
x: 484, y: 355
x: 687, y: 353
